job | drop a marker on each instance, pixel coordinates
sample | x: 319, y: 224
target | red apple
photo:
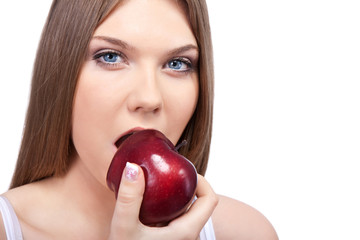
x: 170, y: 179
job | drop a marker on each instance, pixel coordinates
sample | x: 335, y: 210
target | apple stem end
x: 183, y: 143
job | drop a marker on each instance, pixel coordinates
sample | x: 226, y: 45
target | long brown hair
x: 46, y: 145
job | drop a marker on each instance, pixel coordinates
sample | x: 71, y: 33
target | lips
x: 126, y: 135
x: 122, y: 139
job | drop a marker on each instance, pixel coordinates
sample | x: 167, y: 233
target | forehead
x: 141, y: 21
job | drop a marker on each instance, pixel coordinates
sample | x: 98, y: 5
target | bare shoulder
x: 233, y: 219
x: 2, y: 228
x: 2, y: 224
x: 8, y: 196
x: 26, y: 200
x: 20, y: 197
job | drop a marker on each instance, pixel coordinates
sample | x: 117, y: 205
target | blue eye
x: 175, y: 64
x: 181, y: 64
x: 111, y: 57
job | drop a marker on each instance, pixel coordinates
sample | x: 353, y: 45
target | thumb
x: 129, y: 199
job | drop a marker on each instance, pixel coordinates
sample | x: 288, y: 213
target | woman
x: 104, y: 68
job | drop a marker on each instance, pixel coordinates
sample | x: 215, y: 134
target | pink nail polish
x: 131, y: 172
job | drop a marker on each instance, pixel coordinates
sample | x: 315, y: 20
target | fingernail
x: 131, y: 172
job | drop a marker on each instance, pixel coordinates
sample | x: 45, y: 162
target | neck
x: 87, y: 198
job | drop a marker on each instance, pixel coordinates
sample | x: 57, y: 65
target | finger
x: 201, y: 210
x: 206, y: 198
x: 130, y: 195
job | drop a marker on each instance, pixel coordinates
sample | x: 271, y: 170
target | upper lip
x: 128, y: 132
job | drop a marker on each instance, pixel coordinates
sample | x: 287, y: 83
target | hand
x: 127, y: 226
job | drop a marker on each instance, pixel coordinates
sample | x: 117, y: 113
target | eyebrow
x: 127, y: 46
x: 182, y: 49
x: 114, y: 41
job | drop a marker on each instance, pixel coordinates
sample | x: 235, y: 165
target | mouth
x: 126, y: 135
x: 122, y: 139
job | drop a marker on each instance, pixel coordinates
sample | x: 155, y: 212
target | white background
x: 287, y: 113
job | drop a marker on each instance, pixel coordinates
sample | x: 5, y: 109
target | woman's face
x: 140, y: 72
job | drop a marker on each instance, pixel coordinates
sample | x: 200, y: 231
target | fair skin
x: 135, y: 76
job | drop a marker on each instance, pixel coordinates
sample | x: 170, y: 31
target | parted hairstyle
x: 46, y: 146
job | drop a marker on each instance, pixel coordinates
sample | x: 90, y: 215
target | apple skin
x: 170, y: 178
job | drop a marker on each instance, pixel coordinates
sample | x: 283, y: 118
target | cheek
x: 94, y: 107
x: 91, y: 126
x: 181, y: 107
x: 87, y: 115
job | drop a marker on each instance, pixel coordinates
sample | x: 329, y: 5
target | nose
x: 146, y: 96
